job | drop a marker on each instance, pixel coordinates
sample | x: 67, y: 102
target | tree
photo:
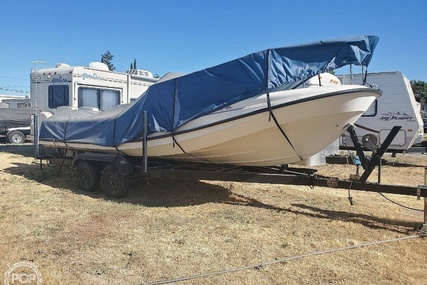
x: 420, y: 89
x: 133, y: 65
x: 107, y: 58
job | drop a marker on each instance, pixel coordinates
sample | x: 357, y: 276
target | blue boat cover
x: 172, y: 103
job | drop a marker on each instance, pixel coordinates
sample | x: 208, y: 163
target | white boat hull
x: 246, y: 134
x: 256, y: 140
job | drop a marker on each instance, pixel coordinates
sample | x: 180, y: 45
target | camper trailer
x: 92, y: 86
x: 18, y: 102
x: 396, y: 107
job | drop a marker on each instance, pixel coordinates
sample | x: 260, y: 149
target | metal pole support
x: 424, y: 227
x: 144, y: 142
x: 35, y: 122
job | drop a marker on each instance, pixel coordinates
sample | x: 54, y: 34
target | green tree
x: 133, y: 65
x: 107, y: 58
x: 420, y: 90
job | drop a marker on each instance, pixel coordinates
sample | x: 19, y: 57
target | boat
x: 259, y: 110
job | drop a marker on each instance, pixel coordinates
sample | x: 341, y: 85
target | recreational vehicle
x: 18, y: 102
x: 396, y: 107
x: 92, y: 87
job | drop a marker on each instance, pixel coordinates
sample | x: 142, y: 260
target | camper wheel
x: 16, y: 137
x: 113, y: 183
x: 88, y: 176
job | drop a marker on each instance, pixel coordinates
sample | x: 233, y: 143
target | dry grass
x: 169, y: 229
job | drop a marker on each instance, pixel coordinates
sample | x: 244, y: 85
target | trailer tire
x: 88, y: 176
x: 114, y: 184
x: 16, y: 137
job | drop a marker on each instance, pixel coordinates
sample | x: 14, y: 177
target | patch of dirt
x: 169, y: 229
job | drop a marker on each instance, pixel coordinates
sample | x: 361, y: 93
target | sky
x: 189, y: 35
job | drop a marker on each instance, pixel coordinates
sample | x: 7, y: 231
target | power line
x: 15, y: 78
x: 13, y: 85
x: 14, y: 90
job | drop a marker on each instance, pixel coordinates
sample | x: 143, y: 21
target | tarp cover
x: 15, y: 118
x: 170, y: 104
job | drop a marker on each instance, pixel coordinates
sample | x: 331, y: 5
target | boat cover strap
x: 271, y: 115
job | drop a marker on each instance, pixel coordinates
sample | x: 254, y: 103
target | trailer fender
x: 120, y: 162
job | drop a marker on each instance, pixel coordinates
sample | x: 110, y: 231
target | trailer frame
x: 114, y: 170
x: 170, y: 169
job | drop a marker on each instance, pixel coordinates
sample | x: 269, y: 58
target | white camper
x: 396, y: 107
x: 91, y: 86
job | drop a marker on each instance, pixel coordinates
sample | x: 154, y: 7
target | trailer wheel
x: 16, y: 137
x: 113, y: 183
x: 88, y: 176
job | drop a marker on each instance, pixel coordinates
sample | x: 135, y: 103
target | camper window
x: 88, y: 97
x: 102, y: 99
x: 58, y: 96
x: 372, y: 110
x: 109, y: 99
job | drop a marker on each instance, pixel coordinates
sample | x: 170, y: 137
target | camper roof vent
x: 98, y: 65
x: 61, y: 65
x: 139, y: 73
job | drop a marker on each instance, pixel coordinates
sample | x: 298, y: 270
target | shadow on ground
x: 180, y: 193
x: 25, y: 149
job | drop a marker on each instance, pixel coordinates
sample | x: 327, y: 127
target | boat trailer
x: 113, y: 171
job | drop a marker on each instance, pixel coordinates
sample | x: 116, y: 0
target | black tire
x: 16, y: 137
x: 114, y: 184
x: 88, y: 176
